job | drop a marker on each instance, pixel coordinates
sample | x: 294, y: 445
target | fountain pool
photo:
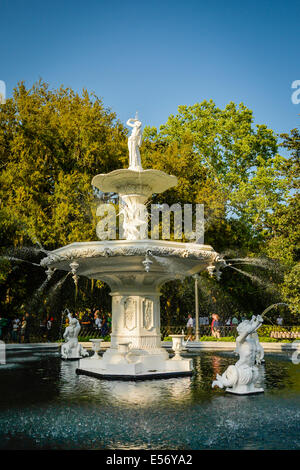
x: 44, y: 404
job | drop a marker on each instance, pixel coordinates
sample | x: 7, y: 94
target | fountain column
x: 136, y: 316
x: 136, y: 319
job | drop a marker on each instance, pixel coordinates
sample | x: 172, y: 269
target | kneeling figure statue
x: 71, y: 349
x: 241, y: 378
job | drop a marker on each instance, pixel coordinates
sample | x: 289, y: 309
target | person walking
x: 49, y: 325
x: 215, y: 326
x: 28, y: 327
x: 98, y: 322
x: 104, y: 327
x: 190, y: 327
x: 23, y: 329
x: 15, y: 330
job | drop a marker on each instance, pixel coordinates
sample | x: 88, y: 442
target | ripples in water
x: 45, y: 405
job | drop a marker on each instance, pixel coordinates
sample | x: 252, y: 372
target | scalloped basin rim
x: 142, y: 245
x: 158, y: 181
x: 122, y: 248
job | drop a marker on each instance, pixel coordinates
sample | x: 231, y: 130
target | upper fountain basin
x: 125, y: 181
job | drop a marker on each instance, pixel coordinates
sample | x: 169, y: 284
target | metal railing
x: 41, y: 334
x: 38, y: 334
x: 204, y: 330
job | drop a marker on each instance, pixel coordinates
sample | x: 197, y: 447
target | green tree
x: 221, y: 159
x: 52, y: 142
x: 291, y: 290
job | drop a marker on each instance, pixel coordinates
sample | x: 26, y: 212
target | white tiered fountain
x: 135, y: 269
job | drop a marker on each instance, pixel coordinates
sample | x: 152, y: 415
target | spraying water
x: 55, y: 288
x: 273, y: 306
x: 252, y: 277
x: 12, y: 258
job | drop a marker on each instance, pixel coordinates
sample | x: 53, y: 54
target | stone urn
x: 177, y: 346
x: 96, y: 347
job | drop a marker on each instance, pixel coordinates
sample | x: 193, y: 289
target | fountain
x: 135, y: 268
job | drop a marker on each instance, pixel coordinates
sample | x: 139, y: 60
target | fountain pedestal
x: 136, y: 340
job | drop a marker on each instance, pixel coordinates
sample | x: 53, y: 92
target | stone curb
x: 193, y: 345
x: 31, y: 346
x: 230, y: 346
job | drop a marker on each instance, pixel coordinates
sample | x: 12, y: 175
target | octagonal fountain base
x: 148, y: 376
x: 245, y: 391
x: 123, y: 363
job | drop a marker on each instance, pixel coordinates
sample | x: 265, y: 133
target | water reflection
x: 130, y: 393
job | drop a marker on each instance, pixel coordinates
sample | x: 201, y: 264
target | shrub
x: 212, y: 338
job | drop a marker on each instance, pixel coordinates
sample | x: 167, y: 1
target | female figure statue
x: 134, y: 142
x: 242, y: 377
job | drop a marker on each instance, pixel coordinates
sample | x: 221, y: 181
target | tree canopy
x: 52, y: 142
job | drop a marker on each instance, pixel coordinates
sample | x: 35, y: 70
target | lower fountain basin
x: 44, y: 404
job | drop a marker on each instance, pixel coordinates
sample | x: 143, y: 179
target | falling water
x: 55, y: 288
x: 253, y: 277
x: 28, y: 250
x: 272, y: 306
x: 12, y: 258
x: 258, y: 261
x: 42, y: 286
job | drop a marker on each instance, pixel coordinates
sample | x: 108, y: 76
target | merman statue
x: 241, y: 378
x: 71, y: 349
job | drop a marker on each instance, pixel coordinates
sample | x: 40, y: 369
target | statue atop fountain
x: 71, y: 349
x: 134, y: 142
x: 241, y: 378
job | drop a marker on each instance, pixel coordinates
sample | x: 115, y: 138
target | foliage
x: 52, y: 142
x: 291, y: 289
x: 223, y: 338
x: 85, y: 339
x: 221, y: 160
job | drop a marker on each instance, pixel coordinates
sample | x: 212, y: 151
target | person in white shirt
x: 98, y: 322
x: 190, y: 327
x: 15, y: 329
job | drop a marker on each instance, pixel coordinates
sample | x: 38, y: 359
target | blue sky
x: 152, y: 56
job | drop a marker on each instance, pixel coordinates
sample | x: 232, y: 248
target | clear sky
x: 152, y: 56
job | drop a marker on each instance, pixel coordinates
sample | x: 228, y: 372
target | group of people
x: 215, y: 325
x: 23, y: 329
x: 17, y: 330
x: 94, y: 319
